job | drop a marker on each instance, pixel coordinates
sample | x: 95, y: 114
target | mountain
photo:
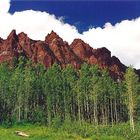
x: 55, y: 50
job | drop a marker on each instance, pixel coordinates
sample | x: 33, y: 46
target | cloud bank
x: 4, y: 6
x: 122, y: 39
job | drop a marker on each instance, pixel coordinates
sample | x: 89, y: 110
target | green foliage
x: 67, y: 100
x: 132, y: 89
x: 71, y: 131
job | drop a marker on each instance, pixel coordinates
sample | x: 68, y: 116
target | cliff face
x: 55, y: 50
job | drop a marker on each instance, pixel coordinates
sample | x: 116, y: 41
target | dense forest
x: 30, y: 93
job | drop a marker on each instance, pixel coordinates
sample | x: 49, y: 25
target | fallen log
x: 22, y: 134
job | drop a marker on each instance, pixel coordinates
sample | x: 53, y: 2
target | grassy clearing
x: 71, y: 132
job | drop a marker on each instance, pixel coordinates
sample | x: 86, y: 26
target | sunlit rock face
x: 55, y: 50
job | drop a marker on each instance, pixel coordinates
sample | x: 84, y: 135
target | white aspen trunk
x: 116, y: 114
x: 88, y: 110
x: 131, y: 110
x: 103, y: 116
x: 95, y: 111
x: 19, y: 112
x: 79, y: 112
x: 111, y: 105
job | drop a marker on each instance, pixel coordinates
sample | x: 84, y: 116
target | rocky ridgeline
x: 55, y: 50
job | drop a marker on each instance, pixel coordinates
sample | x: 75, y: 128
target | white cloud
x: 4, y: 6
x: 36, y: 24
x: 122, y: 39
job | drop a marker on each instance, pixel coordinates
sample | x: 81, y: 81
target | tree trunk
x: 95, y: 111
x: 111, y: 106
x: 79, y: 112
x: 115, y: 109
x: 19, y: 113
x: 131, y: 112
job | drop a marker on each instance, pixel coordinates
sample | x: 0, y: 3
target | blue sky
x: 114, y: 24
x: 83, y: 14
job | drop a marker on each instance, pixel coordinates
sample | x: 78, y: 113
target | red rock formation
x: 51, y: 37
x: 55, y: 50
x: 81, y: 49
x: 61, y: 50
x: 10, y: 44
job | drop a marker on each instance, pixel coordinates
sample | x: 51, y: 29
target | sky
x: 82, y: 14
x: 114, y: 24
